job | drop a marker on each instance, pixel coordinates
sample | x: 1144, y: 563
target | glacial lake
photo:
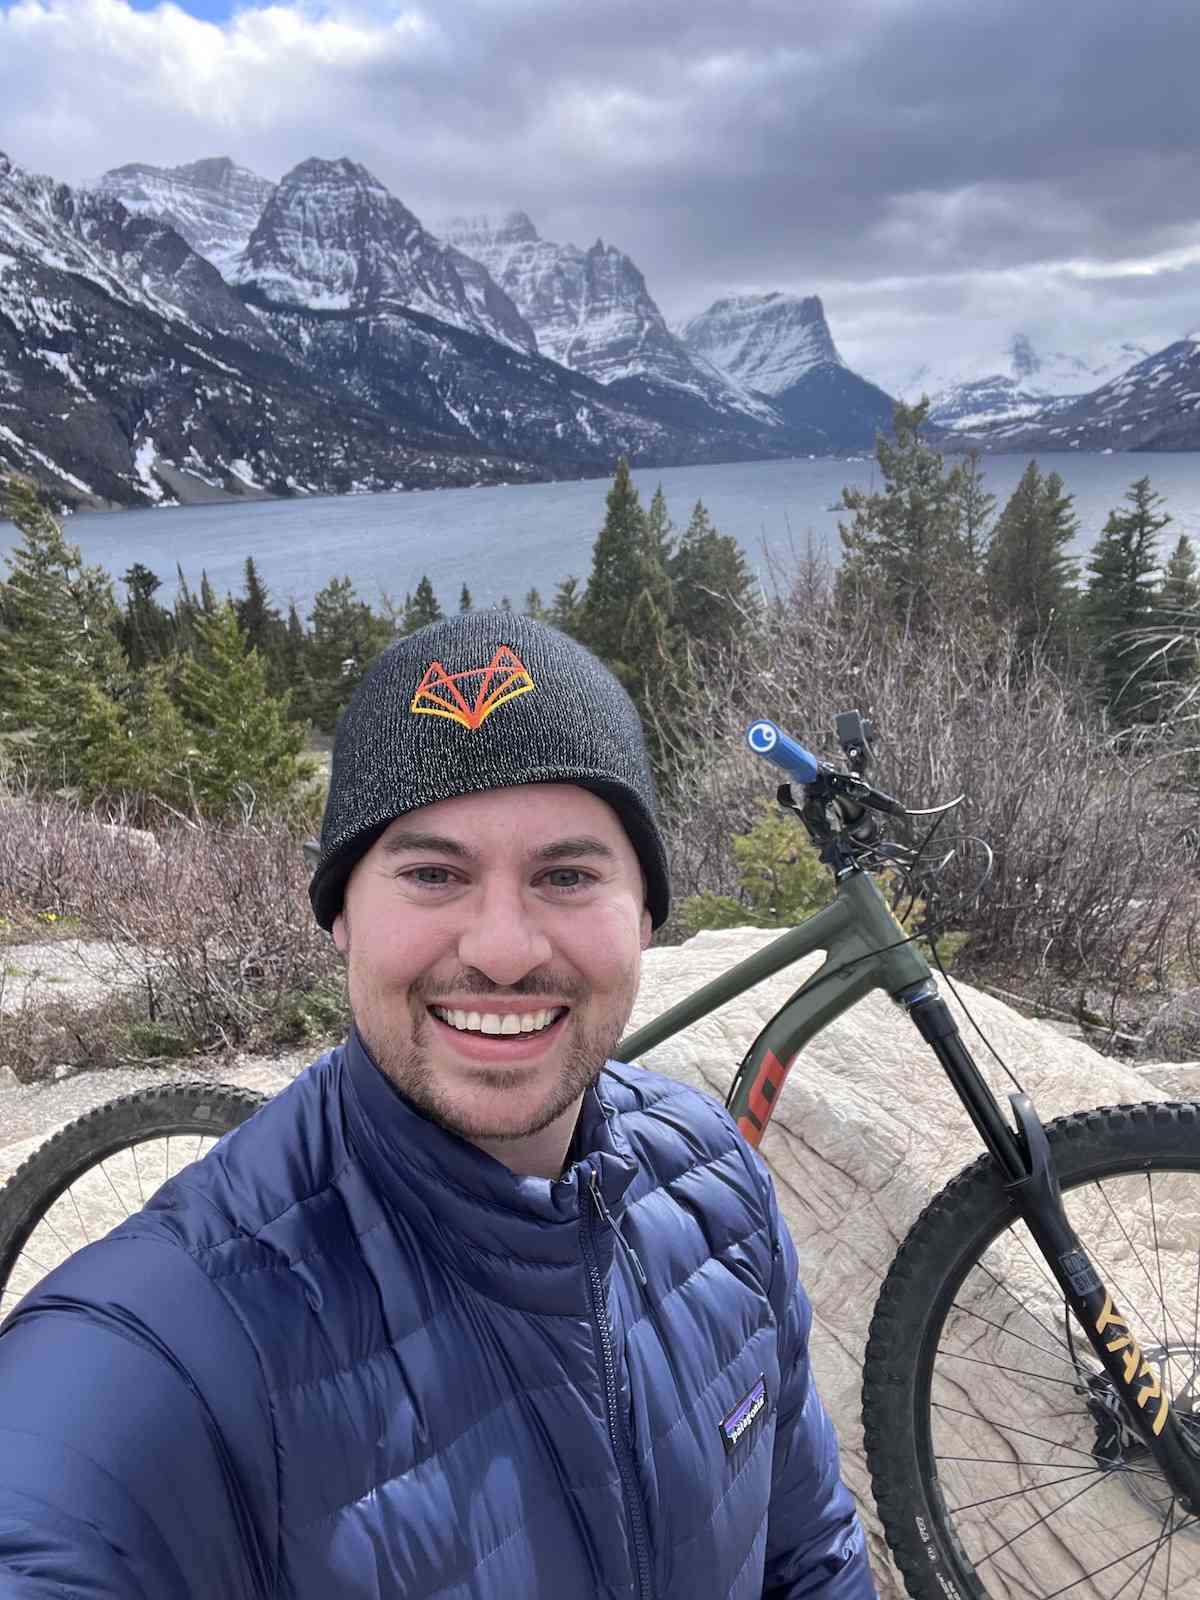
x: 506, y: 540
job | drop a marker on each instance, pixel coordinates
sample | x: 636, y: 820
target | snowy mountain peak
x: 765, y: 341
x: 212, y: 203
x: 333, y: 238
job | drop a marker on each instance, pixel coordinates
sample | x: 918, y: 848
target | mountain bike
x: 1031, y: 1389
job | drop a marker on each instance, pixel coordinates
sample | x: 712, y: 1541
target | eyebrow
x: 407, y: 840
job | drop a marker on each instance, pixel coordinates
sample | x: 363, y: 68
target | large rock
x: 867, y: 1130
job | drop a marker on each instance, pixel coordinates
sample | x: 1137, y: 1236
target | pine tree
x: 568, y: 602
x: 974, y: 506
x: 208, y: 599
x: 534, y: 608
x: 713, y: 591
x: 903, y: 547
x: 346, y: 637
x: 1176, y: 664
x: 421, y: 608
x: 187, y: 609
x: 621, y: 562
x: 1118, y: 606
x: 257, y: 618
x: 245, y: 750
x: 147, y: 629
x: 660, y: 531
x: 465, y: 603
x: 62, y: 670
x: 1029, y: 573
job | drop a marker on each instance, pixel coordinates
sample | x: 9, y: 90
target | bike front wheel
x: 1002, y: 1465
x: 101, y: 1168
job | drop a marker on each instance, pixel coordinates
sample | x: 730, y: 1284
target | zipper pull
x: 631, y: 1254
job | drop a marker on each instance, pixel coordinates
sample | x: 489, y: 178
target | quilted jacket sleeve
x: 116, y: 1480
x: 815, y: 1545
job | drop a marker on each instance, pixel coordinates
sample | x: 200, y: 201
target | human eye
x: 430, y: 877
x: 567, y: 880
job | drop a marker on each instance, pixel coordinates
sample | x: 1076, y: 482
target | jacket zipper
x: 624, y: 1456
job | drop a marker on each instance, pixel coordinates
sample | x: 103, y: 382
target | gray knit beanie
x: 484, y: 700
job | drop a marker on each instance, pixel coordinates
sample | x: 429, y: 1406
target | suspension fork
x: 1031, y: 1179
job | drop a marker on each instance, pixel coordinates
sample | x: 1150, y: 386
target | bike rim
x: 106, y: 1192
x: 1044, y: 1492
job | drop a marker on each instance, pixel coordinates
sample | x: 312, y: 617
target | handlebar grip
x: 768, y: 740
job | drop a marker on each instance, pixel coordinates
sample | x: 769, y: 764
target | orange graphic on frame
x: 444, y: 694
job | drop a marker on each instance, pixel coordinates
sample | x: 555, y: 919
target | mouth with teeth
x: 499, y: 1025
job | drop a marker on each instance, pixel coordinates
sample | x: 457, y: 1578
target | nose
x: 504, y: 939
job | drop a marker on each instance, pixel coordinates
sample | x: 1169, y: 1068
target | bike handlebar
x: 767, y: 739
x: 849, y: 792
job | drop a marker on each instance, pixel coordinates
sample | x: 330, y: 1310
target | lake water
x: 506, y: 540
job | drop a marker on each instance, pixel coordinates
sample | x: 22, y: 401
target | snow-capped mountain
x: 332, y: 238
x: 766, y: 341
x: 214, y: 204
x: 1015, y: 384
x: 779, y: 345
x: 131, y: 373
x: 591, y: 311
x: 348, y: 279
x: 1154, y: 405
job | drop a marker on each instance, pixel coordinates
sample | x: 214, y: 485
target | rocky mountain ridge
x: 591, y: 311
x: 779, y: 345
x: 1016, y: 383
x: 131, y: 373
x: 1153, y: 405
x: 213, y: 204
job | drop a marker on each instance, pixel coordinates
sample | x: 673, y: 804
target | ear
x: 341, y: 932
x: 647, y: 928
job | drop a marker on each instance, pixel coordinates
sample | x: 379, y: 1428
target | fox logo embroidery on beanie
x: 483, y: 700
x: 439, y: 693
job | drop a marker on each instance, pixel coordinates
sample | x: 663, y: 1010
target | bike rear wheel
x: 1001, y: 1463
x: 101, y: 1168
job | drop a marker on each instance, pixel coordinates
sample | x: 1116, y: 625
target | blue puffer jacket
x: 350, y: 1357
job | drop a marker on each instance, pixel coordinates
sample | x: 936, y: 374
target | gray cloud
x: 942, y: 174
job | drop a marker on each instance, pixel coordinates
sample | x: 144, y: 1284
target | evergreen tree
x: 622, y: 566
x: 567, y: 606
x: 660, y: 531
x: 147, y: 630
x: 1177, y: 616
x: 1119, y: 603
x: 713, y: 591
x: 1029, y: 573
x: 903, y: 547
x: 974, y: 507
x: 505, y: 603
x: 465, y: 602
x: 257, y: 618
x: 187, y: 609
x: 346, y: 637
x: 422, y: 608
x: 62, y: 670
x: 208, y: 599
x: 245, y: 748
x: 534, y: 608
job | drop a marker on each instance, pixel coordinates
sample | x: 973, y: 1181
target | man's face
x: 494, y: 946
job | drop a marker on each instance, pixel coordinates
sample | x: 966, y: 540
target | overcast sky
x: 943, y: 173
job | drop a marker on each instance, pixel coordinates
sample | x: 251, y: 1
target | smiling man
x: 470, y: 1311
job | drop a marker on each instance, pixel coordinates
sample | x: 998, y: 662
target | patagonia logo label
x: 470, y: 697
x: 742, y: 1418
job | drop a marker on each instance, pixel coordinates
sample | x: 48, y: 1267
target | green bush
x: 781, y: 878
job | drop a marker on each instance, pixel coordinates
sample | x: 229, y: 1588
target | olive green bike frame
x: 866, y: 948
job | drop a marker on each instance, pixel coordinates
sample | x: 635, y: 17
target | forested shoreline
x: 1056, y: 695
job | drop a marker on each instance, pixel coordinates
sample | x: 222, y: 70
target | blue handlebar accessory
x: 767, y: 739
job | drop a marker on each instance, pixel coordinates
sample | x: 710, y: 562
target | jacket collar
x: 518, y: 1238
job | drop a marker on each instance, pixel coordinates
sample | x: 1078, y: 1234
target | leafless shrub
x: 205, y: 931
x: 1091, y: 892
